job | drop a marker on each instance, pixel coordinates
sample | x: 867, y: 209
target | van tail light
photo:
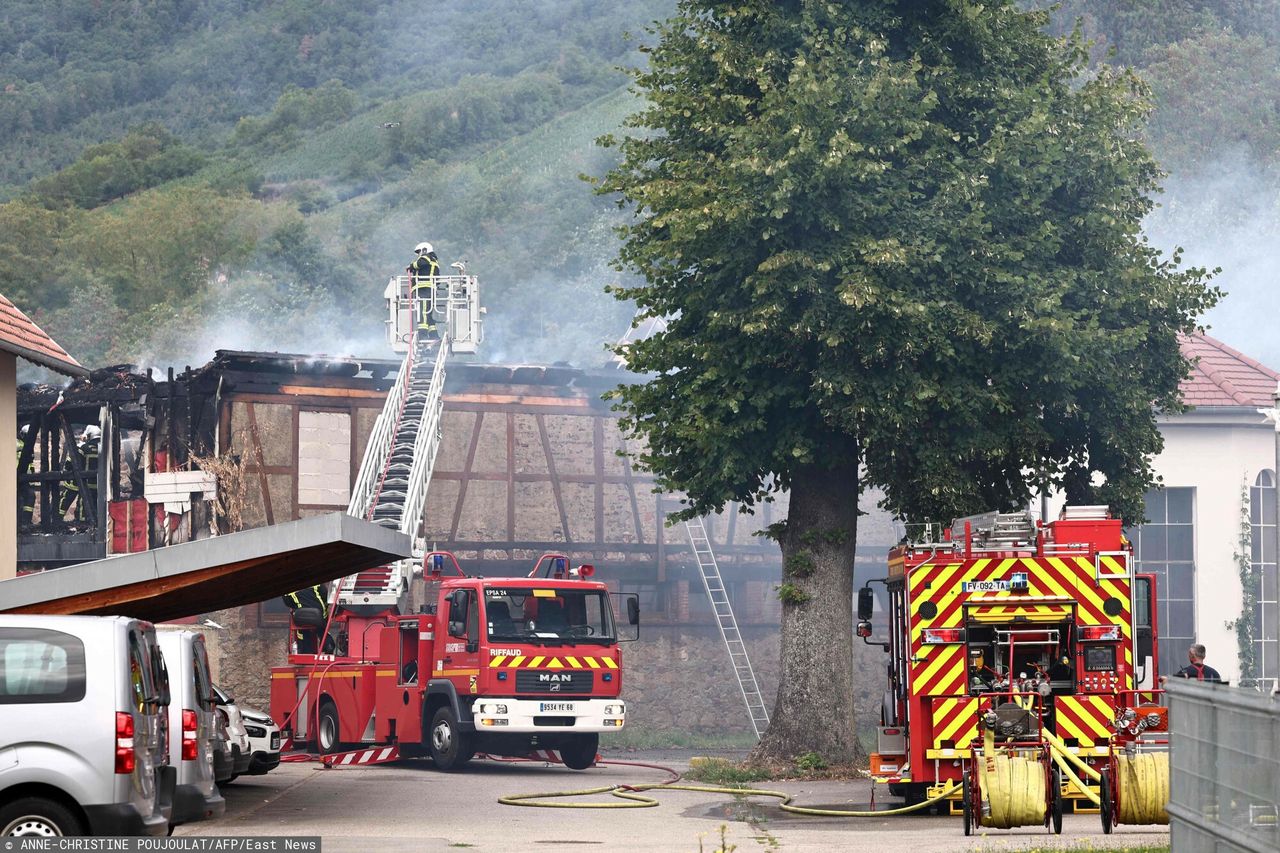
x: 188, y: 735
x: 126, y: 760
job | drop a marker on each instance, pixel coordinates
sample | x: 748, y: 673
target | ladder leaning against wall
x: 713, y: 583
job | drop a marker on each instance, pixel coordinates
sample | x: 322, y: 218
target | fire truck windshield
x: 548, y: 615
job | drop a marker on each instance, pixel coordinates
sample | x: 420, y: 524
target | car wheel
x: 327, y: 729
x: 450, y: 748
x: 580, y: 752
x: 38, y: 817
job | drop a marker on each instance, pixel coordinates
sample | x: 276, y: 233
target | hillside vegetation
x: 184, y: 175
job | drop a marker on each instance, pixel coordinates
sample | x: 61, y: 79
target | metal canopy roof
x: 209, y: 574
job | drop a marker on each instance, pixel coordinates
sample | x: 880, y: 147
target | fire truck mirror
x: 864, y: 629
x: 458, y: 613
x: 866, y: 603
x: 633, y: 610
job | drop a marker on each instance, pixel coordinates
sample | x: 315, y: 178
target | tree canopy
x: 896, y: 238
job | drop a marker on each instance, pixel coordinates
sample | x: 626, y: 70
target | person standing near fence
x: 1197, y: 668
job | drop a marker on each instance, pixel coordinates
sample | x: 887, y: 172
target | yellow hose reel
x: 1135, y: 789
x: 1011, y: 787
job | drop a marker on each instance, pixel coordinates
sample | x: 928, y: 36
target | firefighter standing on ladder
x: 422, y: 274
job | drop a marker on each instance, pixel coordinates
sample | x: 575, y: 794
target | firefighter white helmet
x: 92, y: 433
x: 423, y: 247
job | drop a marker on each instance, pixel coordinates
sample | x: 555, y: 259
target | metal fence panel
x: 1224, y: 768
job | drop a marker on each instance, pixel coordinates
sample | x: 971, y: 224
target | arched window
x: 1262, y: 511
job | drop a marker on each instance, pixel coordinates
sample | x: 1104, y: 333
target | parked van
x: 192, y: 726
x: 79, y: 721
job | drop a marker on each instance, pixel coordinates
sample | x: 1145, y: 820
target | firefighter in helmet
x: 423, y: 272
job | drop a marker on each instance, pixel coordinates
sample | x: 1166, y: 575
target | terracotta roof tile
x: 1223, y: 376
x: 24, y: 338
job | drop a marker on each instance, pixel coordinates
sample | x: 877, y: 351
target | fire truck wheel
x: 966, y: 809
x: 1057, y: 802
x: 327, y: 729
x: 580, y: 752
x: 450, y: 748
x: 1105, y: 806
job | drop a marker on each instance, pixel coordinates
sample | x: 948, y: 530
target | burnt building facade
x: 531, y: 461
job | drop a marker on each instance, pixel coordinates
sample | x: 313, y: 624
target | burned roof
x: 118, y: 383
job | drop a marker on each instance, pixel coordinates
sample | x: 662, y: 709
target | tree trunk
x: 814, y: 708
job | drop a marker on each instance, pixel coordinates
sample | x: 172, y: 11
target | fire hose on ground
x: 634, y: 798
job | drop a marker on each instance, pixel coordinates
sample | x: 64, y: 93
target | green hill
x: 182, y: 175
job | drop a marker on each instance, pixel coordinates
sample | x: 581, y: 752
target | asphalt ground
x: 408, y: 805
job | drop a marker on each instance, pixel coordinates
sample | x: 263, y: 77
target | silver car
x: 80, y: 717
x: 241, y: 753
x: 192, y: 726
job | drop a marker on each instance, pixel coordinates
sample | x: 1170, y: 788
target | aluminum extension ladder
x: 713, y: 583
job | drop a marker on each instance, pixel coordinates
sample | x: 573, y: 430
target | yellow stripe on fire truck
x: 544, y: 662
x: 958, y: 721
x: 1085, y: 718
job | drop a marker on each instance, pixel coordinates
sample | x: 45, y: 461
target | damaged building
x: 531, y: 461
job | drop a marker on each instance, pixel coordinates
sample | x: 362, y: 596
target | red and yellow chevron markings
x: 955, y: 724
x: 550, y: 662
x: 1085, y: 718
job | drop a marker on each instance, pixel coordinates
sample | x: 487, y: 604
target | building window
x: 1165, y: 547
x: 1262, y: 509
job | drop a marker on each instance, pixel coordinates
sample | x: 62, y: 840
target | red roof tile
x: 24, y: 338
x: 1223, y: 376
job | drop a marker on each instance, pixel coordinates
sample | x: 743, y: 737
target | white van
x: 79, y: 718
x: 192, y: 723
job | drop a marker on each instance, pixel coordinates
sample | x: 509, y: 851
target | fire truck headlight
x: 493, y: 709
x: 614, y: 710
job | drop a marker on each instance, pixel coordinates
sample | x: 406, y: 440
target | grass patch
x: 725, y: 773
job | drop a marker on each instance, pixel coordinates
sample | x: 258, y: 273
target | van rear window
x: 40, y: 666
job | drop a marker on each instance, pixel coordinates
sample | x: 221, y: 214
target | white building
x: 1213, y: 524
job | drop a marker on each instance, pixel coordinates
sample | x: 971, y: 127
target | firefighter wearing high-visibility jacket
x: 306, y: 637
x: 423, y: 272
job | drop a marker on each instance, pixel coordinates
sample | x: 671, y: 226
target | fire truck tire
x: 966, y: 807
x: 451, y: 749
x: 327, y: 730
x: 1105, y: 807
x: 580, y: 752
x: 1057, y: 802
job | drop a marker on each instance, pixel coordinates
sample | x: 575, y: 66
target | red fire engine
x: 497, y: 665
x: 1000, y: 603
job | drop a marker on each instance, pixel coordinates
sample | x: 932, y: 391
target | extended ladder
x: 391, y: 488
x: 713, y: 583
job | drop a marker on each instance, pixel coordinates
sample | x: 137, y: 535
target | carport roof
x: 210, y: 574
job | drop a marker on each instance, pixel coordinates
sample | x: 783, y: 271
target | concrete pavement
x: 410, y: 806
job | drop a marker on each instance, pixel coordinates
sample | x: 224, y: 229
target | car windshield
x: 540, y: 615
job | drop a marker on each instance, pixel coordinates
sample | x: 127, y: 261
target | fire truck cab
x: 495, y: 665
x: 999, y: 603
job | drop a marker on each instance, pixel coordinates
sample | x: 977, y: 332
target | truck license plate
x: 567, y: 707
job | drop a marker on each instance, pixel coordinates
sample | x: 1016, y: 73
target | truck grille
x: 560, y: 682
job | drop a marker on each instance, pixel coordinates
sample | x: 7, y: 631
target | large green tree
x: 898, y: 243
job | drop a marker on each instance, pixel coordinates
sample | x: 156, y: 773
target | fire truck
x: 504, y: 666
x: 1001, y: 603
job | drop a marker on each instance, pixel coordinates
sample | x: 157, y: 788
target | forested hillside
x: 182, y: 175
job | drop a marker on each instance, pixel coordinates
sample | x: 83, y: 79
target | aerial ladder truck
x: 504, y: 666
